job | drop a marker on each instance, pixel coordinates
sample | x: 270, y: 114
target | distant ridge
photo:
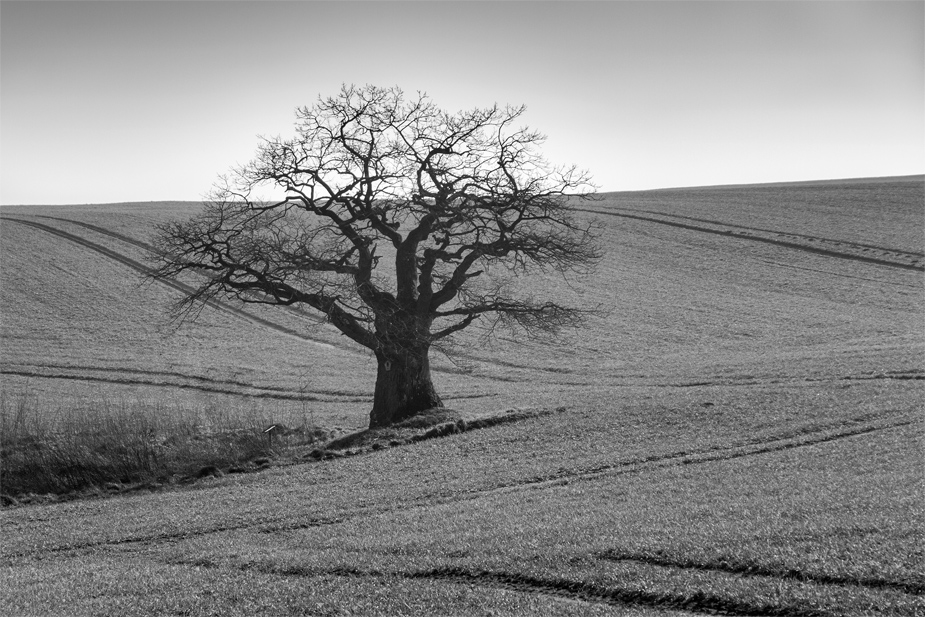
x: 798, y: 183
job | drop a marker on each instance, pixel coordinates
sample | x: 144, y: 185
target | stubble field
x: 739, y: 431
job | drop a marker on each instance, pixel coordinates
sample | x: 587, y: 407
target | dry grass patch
x: 118, y: 446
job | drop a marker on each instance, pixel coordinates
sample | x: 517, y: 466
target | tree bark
x: 403, y: 385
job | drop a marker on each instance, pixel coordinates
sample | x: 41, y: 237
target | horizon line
x: 779, y: 183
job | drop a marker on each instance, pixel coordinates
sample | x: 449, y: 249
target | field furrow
x: 699, y: 602
x: 742, y: 568
x: 181, y: 287
x: 238, y: 312
x: 830, y: 248
x: 789, y: 440
x: 578, y: 590
x: 218, y: 387
x: 771, y: 232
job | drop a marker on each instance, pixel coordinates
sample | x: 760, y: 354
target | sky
x: 105, y: 102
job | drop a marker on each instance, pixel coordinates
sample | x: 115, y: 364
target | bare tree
x: 448, y: 200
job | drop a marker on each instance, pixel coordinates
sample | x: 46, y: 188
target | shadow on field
x: 426, y: 425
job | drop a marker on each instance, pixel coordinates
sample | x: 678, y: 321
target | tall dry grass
x: 113, y: 444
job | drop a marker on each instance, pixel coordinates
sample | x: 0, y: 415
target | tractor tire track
x: 149, y: 539
x: 181, y: 287
x: 697, y: 602
x: 570, y: 589
x: 867, y: 424
x: 778, y: 264
x: 294, y: 311
x: 196, y: 382
x: 151, y: 248
x: 721, y: 454
x: 740, y: 568
x: 222, y: 306
x: 169, y: 374
x: 104, y: 231
x: 775, y: 232
x: 246, y: 390
x: 742, y: 235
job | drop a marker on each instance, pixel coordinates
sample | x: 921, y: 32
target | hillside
x: 702, y: 286
x: 737, y: 431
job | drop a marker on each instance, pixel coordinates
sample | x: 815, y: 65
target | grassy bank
x: 112, y: 445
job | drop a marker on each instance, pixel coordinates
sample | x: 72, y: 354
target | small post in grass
x: 269, y: 433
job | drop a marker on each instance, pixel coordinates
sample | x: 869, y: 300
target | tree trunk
x: 403, y: 386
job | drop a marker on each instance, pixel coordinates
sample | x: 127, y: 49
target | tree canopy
x: 392, y: 217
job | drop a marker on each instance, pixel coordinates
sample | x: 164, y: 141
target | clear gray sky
x: 141, y: 101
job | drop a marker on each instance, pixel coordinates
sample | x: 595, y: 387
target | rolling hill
x: 737, y: 430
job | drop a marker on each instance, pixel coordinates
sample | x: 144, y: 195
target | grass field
x: 740, y: 432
